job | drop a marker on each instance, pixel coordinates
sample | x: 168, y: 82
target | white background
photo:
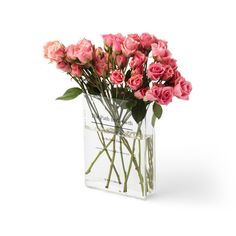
x: 41, y: 140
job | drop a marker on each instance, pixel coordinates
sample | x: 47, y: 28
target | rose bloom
x: 155, y: 71
x: 121, y: 61
x: 182, y: 88
x: 72, y: 51
x: 138, y: 59
x: 118, y: 39
x: 85, y: 54
x: 140, y: 94
x: 135, y: 37
x: 108, y: 39
x: 170, y: 61
x: 165, y: 96
x: 117, y: 77
x: 146, y: 40
x: 153, y: 93
x: 101, y: 66
x: 169, y: 72
x: 99, y: 53
x: 160, y: 51
x: 135, y: 81
x: 75, y: 70
x: 63, y: 66
x: 162, y: 95
x: 54, y: 51
x: 129, y: 46
x: 138, y: 70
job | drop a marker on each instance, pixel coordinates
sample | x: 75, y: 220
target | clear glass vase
x: 119, y: 153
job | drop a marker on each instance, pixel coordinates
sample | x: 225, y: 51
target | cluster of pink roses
x: 158, y: 80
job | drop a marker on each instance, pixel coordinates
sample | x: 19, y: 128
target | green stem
x: 134, y: 161
x: 98, y: 155
x: 122, y: 158
x: 102, y: 139
x: 112, y: 163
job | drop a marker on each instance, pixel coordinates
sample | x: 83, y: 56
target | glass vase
x: 119, y: 153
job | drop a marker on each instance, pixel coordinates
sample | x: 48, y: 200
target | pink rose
x: 135, y: 81
x: 153, y: 93
x: 108, y: 39
x: 129, y: 46
x: 170, y: 61
x: 101, y: 66
x: 165, y: 96
x: 85, y: 54
x: 63, y: 66
x: 169, y: 72
x: 72, y: 52
x: 177, y: 74
x: 121, y: 61
x: 54, y: 51
x: 135, y: 37
x: 99, y: 53
x: 137, y: 70
x: 182, y: 88
x: 155, y: 71
x: 75, y: 70
x: 160, y: 51
x: 146, y: 40
x: 117, y: 77
x: 160, y: 94
x: 140, y: 94
x: 118, y: 39
x: 138, y: 59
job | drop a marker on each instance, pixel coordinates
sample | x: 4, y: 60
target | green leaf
x: 157, y: 110
x: 130, y: 104
x: 139, y: 111
x: 70, y: 94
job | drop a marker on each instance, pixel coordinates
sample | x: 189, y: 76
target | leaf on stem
x: 157, y: 110
x: 139, y: 111
x: 130, y: 104
x: 70, y: 94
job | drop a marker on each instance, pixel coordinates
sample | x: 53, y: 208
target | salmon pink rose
x: 153, y: 93
x: 129, y: 46
x: 135, y: 37
x: 170, y: 61
x: 63, y: 66
x: 72, y: 52
x: 155, y: 71
x: 182, y: 88
x: 121, y: 61
x: 118, y: 39
x: 146, y: 40
x: 169, y: 72
x: 140, y: 94
x: 54, y: 51
x: 138, y: 59
x: 138, y: 70
x: 160, y: 51
x: 162, y: 95
x: 108, y: 39
x: 135, y: 81
x: 165, y: 96
x: 85, y: 53
x: 75, y: 70
x: 117, y: 77
x: 101, y: 66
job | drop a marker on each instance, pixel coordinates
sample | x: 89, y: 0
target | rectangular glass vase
x: 119, y: 153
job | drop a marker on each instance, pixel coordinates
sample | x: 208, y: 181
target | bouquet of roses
x: 128, y: 75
